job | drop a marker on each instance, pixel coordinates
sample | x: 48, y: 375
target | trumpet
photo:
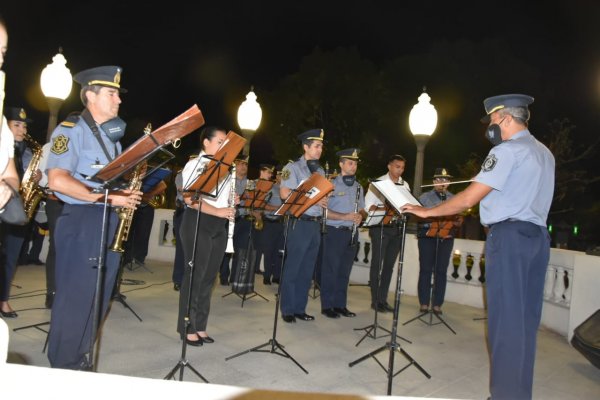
x: 354, y: 237
x: 229, y: 248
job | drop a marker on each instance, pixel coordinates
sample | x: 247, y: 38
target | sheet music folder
x: 307, y: 194
x: 397, y: 195
x: 148, y: 144
x: 218, y: 167
x: 256, y: 198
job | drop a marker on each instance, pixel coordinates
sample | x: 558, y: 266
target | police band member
x: 385, y: 250
x: 272, y: 234
x: 435, y: 240
x: 13, y: 237
x: 243, y: 224
x: 79, y: 150
x: 211, y: 240
x: 304, y: 235
x: 515, y: 187
x: 345, y: 213
x: 265, y: 173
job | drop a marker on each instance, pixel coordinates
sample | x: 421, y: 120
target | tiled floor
x: 458, y: 364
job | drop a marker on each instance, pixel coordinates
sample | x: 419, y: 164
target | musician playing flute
x: 211, y: 239
x: 435, y: 239
x: 81, y: 146
x: 304, y: 235
x: 345, y: 213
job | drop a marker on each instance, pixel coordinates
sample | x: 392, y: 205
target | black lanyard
x: 87, y: 117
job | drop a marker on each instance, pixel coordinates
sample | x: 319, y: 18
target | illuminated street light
x: 249, y: 117
x: 56, y: 82
x: 422, y: 122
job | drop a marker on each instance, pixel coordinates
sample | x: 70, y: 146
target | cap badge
x: 22, y: 114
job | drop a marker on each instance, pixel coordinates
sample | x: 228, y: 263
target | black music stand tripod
x: 430, y: 312
x: 393, y: 346
x: 246, y: 269
x: 117, y: 295
x: 183, y: 361
x: 375, y: 218
x: 275, y: 346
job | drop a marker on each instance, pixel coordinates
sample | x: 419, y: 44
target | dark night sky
x: 182, y: 53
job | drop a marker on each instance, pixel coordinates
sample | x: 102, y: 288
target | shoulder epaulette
x: 71, y: 120
x: 67, y: 124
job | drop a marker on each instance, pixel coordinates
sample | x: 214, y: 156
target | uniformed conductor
x: 515, y: 187
x: 79, y: 150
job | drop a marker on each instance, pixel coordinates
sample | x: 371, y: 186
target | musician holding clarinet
x: 304, y: 236
x: 211, y: 238
x: 345, y: 213
x: 435, y: 239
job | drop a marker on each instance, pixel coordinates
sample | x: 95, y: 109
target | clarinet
x: 354, y: 238
x: 324, y: 212
x: 229, y: 248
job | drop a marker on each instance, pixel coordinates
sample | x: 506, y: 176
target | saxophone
x: 126, y: 214
x: 30, y: 191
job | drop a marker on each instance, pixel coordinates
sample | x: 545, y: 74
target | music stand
x: 110, y: 176
x: 304, y: 196
x: 398, y: 196
x: 251, y: 200
x: 430, y: 311
x: 209, y: 180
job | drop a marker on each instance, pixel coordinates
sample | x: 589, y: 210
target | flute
x: 229, y: 248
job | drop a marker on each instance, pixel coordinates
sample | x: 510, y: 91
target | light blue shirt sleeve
x: 497, y: 167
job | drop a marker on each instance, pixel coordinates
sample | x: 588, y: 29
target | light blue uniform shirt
x: 343, y: 199
x: 299, y: 172
x: 274, y: 200
x: 521, y: 173
x: 240, y: 187
x: 77, y: 151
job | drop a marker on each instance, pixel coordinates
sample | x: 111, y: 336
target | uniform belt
x: 311, y: 219
x: 274, y: 220
x: 52, y: 196
x: 343, y: 228
x: 506, y: 220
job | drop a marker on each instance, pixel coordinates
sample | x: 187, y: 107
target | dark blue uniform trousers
x: 517, y: 255
x: 301, y: 255
x: 241, y: 232
x: 434, y: 256
x: 77, y: 239
x: 338, y: 257
x: 272, y: 242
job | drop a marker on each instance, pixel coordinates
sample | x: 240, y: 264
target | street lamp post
x: 422, y: 122
x: 56, y: 82
x: 249, y: 117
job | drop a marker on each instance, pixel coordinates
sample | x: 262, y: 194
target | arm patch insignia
x: 285, y: 174
x: 60, y: 144
x: 489, y: 163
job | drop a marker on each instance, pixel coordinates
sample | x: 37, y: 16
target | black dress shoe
x: 304, y: 317
x: 207, y: 339
x: 330, y: 313
x: 387, y: 307
x: 195, y: 343
x: 275, y: 280
x: 266, y: 281
x: 9, y: 314
x: 176, y: 287
x: 345, y: 312
x: 288, y: 318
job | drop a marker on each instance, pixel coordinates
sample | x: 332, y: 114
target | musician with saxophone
x: 304, y: 236
x: 435, y: 239
x: 13, y: 237
x: 80, y: 148
x: 211, y: 239
x: 345, y: 213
